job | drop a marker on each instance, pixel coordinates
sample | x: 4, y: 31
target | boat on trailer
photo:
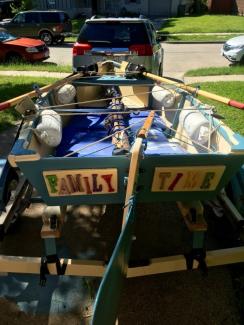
x: 115, y: 134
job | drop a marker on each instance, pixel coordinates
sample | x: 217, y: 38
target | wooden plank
x: 178, y: 262
x: 31, y: 265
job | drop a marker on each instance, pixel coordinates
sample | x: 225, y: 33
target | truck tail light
x: 142, y: 49
x: 81, y: 48
x: 58, y: 28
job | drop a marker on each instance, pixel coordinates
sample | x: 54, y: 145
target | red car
x: 27, y: 49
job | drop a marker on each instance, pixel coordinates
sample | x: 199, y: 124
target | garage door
x: 160, y: 8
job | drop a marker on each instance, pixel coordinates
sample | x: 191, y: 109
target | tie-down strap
x: 45, y: 260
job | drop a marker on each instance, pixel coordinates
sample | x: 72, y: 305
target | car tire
x: 59, y: 40
x: 242, y: 60
x: 46, y: 37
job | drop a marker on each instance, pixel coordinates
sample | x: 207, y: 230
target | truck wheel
x: 47, y: 38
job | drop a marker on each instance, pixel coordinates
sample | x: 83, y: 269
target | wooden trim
x: 19, y: 158
x: 134, y: 163
x: 178, y: 262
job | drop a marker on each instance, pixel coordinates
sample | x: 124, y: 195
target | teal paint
x: 50, y: 246
x: 198, y: 239
x: 108, y: 296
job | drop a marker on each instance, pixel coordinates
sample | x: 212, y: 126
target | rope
x: 98, y: 141
x: 193, y: 141
x: 101, y: 99
x: 138, y: 122
x: 135, y: 112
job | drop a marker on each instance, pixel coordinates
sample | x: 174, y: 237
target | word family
x: 81, y: 182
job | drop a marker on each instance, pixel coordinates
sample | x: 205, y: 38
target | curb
x: 193, y: 42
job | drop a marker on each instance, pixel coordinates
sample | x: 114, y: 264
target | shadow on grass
x: 8, y: 91
x: 44, y: 64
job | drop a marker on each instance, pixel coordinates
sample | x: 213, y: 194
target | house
x: 152, y: 8
x: 226, y: 6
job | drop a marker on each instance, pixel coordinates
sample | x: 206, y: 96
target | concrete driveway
x: 178, y: 58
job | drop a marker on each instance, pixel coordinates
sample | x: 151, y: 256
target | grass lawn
x: 215, y: 71
x: 198, y: 38
x: 76, y: 25
x: 41, y: 66
x: 204, y: 24
x: 234, y: 117
x: 11, y: 87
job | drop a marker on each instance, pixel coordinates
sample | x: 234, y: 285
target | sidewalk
x: 35, y: 74
x: 64, y: 74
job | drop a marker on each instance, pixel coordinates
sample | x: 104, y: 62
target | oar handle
x: 146, y: 126
x: 236, y: 104
x: 204, y: 93
x: 12, y: 102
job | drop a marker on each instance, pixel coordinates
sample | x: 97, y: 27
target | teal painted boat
x: 120, y: 135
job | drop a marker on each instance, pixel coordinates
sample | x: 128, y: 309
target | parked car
x: 50, y: 25
x: 13, y: 48
x: 233, y: 49
x: 131, y: 39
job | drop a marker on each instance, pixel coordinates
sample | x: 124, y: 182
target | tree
x: 21, y: 5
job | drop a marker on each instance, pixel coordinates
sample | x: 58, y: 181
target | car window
x: 19, y: 19
x: 153, y: 33
x: 5, y: 36
x: 50, y: 17
x: 113, y: 33
x: 32, y: 17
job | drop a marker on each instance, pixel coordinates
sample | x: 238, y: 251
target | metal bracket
x: 199, y: 255
x: 51, y: 259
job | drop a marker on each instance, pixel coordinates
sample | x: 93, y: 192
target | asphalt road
x: 178, y: 58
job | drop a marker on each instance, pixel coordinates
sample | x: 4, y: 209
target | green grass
x: 234, y: 117
x: 43, y: 66
x: 216, y: 71
x: 11, y: 87
x: 204, y: 24
x: 71, y: 39
x: 76, y: 25
x: 198, y: 38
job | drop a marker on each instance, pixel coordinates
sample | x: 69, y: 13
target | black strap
x: 199, y: 255
x: 45, y: 260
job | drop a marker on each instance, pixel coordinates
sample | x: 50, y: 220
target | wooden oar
x: 108, y: 296
x: 12, y: 102
x: 134, y: 162
x: 204, y: 93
